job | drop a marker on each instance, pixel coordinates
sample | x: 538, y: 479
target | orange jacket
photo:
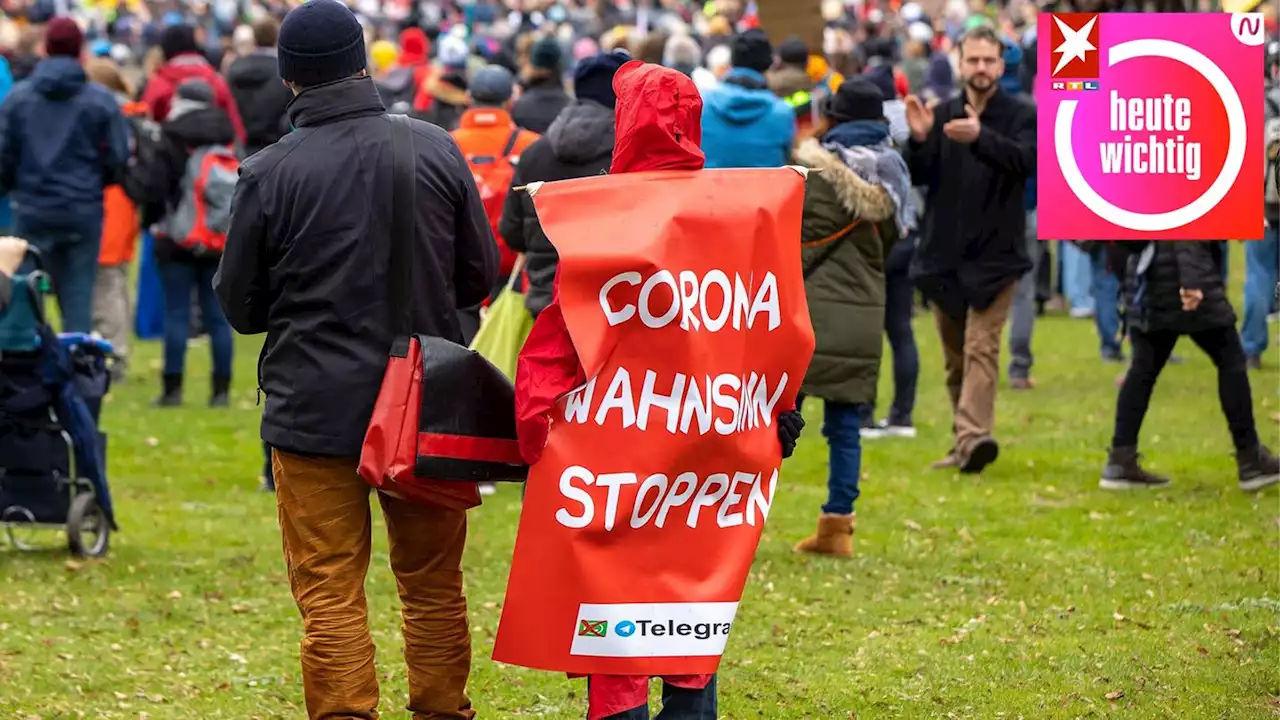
x: 120, y: 221
x: 120, y: 227
x: 486, y: 131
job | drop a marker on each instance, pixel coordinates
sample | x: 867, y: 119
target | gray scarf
x: 880, y: 165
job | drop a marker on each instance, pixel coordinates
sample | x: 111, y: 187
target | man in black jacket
x: 974, y: 154
x: 259, y: 93
x: 308, y: 262
x: 578, y: 144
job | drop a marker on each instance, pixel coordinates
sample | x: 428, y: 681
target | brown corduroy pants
x: 326, y: 526
x: 971, y: 352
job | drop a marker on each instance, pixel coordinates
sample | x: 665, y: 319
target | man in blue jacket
x: 743, y: 123
x: 62, y: 140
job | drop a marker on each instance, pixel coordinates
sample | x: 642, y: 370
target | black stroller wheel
x: 88, y: 532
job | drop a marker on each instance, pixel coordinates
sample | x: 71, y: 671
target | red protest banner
x: 684, y: 297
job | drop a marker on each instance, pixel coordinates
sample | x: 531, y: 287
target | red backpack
x: 202, y: 217
x: 493, y: 176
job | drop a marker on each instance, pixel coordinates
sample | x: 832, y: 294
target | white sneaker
x: 871, y: 432
x: 488, y: 489
x: 1081, y: 313
x: 899, y: 431
x: 883, y: 429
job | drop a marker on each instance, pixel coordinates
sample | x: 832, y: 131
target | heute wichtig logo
x: 1168, y: 146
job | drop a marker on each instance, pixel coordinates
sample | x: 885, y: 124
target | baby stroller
x: 52, y: 457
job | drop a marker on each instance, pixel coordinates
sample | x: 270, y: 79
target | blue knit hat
x: 320, y: 41
x: 593, y: 77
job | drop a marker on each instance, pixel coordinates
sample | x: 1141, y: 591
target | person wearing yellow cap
x: 383, y: 55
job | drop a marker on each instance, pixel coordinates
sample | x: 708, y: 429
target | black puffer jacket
x: 262, y: 98
x: 578, y: 144
x: 1152, y: 300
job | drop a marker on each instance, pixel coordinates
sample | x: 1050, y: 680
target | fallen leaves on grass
x: 1115, y: 695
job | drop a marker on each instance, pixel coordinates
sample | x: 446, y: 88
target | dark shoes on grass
x: 1122, y: 472
x: 1256, y: 468
x: 973, y: 460
x: 172, y: 393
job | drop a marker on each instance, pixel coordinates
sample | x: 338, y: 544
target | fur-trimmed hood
x: 856, y: 195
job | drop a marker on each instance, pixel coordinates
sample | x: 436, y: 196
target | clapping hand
x: 919, y: 118
x: 964, y: 130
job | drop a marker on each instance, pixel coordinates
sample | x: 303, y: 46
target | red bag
x: 434, y: 453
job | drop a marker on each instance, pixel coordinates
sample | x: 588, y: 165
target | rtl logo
x: 1074, y: 41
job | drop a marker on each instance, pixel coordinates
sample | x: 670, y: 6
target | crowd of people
x: 246, y: 139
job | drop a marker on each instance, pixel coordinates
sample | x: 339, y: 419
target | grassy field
x: 1025, y: 592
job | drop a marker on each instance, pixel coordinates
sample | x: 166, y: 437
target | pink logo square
x: 1168, y: 145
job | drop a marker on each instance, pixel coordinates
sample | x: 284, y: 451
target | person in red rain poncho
x: 657, y: 127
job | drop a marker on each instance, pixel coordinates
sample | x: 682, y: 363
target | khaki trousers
x: 326, y: 526
x: 971, y: 351
x: 111, y: 317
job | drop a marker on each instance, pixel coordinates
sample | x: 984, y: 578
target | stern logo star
x: 1075, y: 43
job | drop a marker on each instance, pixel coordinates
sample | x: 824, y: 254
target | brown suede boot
x: 834, y: 537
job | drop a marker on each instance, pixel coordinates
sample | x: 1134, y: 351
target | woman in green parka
x: 854, y: 210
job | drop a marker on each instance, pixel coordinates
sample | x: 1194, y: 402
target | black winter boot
x: 172, y: 396
x: 221, y: 396
x: 1257, y: 468
x: 1122, y: 472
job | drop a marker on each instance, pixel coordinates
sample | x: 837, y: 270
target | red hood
x: 658, y: 121
x: 414, y: 46
x: 185, y: 67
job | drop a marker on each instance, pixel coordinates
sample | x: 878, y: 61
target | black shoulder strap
x: 511, y: 143
x: 404, y: 180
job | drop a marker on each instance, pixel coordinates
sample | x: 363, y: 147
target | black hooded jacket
x: 262, y: 98
x: 308, y: 261
x: 578, y: 144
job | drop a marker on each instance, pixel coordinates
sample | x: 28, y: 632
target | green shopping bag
x: 505, y: 327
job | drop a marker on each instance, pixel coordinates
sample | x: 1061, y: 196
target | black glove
x: 790, y: 424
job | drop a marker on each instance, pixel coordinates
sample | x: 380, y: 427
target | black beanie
x: 177, y: 40
x: 320, y: 41
x: 857, y: 99
x: 593, y: 77
x: 793, y: 51
x: 751, y: 50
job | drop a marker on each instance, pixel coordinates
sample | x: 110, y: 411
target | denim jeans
x: 1262, y: 265
x: 678, y: 704
x: 70, y: 254
x: 1106, y: 303
x: 842, y: 427
x: 178, y: 279
x: 899, y: 296
x: 1076, y: 276
x: 1022, y: 315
